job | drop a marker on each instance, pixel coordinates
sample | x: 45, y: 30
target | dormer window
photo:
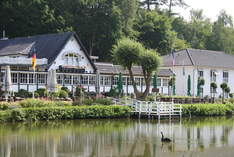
x: 72, y: 58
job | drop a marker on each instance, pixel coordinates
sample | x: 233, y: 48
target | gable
x: 72, y: 55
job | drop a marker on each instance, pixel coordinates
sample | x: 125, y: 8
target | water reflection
x: 122, y: 138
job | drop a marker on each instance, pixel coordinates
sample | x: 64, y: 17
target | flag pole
x: 34, y: 58
x: 33, y: 93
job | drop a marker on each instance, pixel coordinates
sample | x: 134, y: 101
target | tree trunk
x: 133, y: 83
x: 147, y: 83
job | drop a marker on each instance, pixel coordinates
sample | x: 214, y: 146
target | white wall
x: 181, y: 79
x: 72, y: 46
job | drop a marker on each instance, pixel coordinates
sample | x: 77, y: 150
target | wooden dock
x: 156, y: 109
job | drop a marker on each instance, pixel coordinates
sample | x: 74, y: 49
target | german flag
x: 34, y: 61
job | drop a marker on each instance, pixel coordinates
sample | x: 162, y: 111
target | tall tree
x: 222, y: 38
x: 155, y: 31
x: 196, y: 32
x: 26, y: 17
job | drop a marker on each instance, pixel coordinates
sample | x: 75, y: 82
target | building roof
x: 45, y: 46
x: 111, y: 69
x: 200, y: 58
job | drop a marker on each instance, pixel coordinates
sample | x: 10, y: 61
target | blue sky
x: 211, y: 7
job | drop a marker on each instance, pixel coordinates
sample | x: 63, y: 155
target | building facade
x: 212, y: 66
x: 66, y: 54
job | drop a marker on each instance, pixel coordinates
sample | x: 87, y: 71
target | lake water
x: 197, y: 137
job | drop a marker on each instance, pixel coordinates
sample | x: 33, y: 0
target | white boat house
x: 65, y: 53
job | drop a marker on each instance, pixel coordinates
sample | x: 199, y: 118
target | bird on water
x: 165, y: 139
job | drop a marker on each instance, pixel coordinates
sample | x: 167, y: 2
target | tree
x: 155, y: 31
x: 26, y: 18
x: 213, y: 88
x: 222, y: 38
x: 149, y: 61
x: 223, y: 86
x: 128, y: 53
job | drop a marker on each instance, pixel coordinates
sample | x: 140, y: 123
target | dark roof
x: 110, y: 69
x: 202, y: 58
x: 45, y: 46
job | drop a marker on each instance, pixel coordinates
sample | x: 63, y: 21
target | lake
x: 196, y: 137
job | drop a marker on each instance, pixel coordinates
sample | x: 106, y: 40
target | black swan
x: 165, y: 139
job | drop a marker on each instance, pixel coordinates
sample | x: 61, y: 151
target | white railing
x: 157, y: 108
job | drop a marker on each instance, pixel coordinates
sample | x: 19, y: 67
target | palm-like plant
x: 213, y: 86
x: 223, y: 86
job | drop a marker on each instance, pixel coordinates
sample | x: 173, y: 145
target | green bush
x: 103, y: 101
x: 23, y: 93
x: 88, y: 102
x: 35, y: 103
x: 41, y: 92
x: 63, y: 94
x: 4, y: 105
x: 207, y: 109
x: 72, y: 112
x: 62, y: 103
x: 65, y: 89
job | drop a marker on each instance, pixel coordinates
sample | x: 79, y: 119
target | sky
x: 211, y: 8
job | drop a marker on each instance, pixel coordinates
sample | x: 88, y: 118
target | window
x: 31, y: 79
x: 14, y: 77
x: 138, y: 81
x: 41, y: 78
x: 142, y: 81
x: 60, y: 79
x: 76, y: 79
x: 200, y: 73
x: 67, y: 79
x: 23, y: 78
x: 124, y: 80
x: 72, y: 58
x: 165, y: 82
x: 183, y: 71
x: 102, y: 80
x: 213, y: 74
x: 129, y: 81
x: 115, y: 80
x: 225, y: 76
x: 159, y: 82
x: 92, y: 80
x: 84, y: 80
x: 107, y: 80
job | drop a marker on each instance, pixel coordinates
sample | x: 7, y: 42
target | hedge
x: 207, y: 109
x: 68, y: 112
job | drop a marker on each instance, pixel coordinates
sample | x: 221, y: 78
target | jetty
x: 156, y: 109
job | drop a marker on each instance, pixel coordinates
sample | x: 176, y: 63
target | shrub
x: 62, y: 103
x: 206, y: 109
x: 62, y: 94
x: 88, y: 102
x: 150, y: 98
x: 65, y: 89
x: 23, y: 93
x: 4, y: 105
x: 35, y: 103
x: 72, y: 112
x: 103, y: 101
x: 41, y: 92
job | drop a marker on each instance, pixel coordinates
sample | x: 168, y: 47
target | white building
x: 66, y: 54
x: 213, y: 66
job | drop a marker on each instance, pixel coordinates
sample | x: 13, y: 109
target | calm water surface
x: 206, y: 137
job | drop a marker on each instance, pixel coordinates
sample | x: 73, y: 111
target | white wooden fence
x: 156, y: 108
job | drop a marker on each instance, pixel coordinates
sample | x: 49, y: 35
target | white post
x: 33, y: 93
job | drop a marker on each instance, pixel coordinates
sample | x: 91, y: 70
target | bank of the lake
x: 37, y: 110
